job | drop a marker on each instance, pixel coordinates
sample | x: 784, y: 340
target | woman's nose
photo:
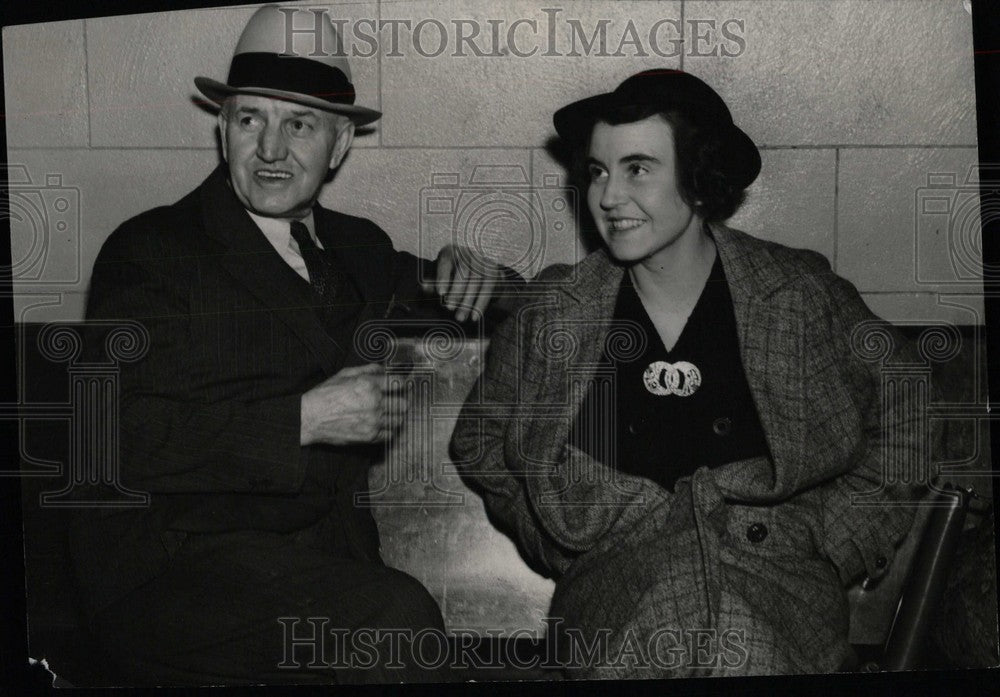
x: 613, y: 194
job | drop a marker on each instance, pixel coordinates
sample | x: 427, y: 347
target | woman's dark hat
x: 666, y: 90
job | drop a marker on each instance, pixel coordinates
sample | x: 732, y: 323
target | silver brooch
x: 680, y: 378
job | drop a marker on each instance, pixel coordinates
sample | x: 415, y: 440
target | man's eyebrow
x: 639, y: 157
x: 297, y: 114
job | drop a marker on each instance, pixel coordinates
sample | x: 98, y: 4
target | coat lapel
x: 367, y: 261
x: 574, y: 338
x: 578, y: 498
x: 771, y: 332
x: 251, y: 260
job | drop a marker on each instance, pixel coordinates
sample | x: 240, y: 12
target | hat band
x: 291, y: 74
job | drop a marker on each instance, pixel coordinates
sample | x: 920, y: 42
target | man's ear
x: 221, y: 117
x: 345, y: 136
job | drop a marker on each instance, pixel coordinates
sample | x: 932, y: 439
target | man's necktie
x: 322, y: 275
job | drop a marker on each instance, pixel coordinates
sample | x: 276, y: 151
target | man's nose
x: 271, y: 145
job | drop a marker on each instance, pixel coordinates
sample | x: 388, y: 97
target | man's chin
x: 278, y: 209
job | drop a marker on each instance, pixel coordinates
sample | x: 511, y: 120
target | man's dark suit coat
x: 210, y: 417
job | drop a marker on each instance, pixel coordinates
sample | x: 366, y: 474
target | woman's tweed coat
x: 653, y: 583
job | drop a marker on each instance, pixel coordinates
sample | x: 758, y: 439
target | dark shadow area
x: 569, y: 160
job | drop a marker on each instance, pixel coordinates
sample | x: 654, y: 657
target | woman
x: 674, y: 429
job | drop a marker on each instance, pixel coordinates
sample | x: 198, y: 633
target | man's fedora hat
x: 666, y: 90
x: 314, y: 72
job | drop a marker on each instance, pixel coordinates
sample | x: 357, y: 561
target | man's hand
x: 355, y: 406
x: 465, y: 281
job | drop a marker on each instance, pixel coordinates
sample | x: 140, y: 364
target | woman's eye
x: 637, y: 170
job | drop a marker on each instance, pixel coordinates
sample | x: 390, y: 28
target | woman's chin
x: 625, y: 253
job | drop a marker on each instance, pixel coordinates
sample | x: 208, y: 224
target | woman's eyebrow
x: 638, y: 157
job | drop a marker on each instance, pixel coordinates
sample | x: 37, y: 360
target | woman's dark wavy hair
x: 700, y: 154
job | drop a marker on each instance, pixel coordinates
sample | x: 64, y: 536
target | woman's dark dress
x: 665, y: 437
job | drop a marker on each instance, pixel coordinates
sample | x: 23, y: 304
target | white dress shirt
x: 279, y: 234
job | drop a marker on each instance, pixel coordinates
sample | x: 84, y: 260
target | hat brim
x: 218, y: 92
x: 574, y: 123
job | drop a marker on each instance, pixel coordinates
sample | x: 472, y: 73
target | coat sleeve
x: 862, y: 530
x: 478, y: 447
x: 170, y: 441
x: 409, y: 270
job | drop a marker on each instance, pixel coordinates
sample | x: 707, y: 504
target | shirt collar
x: 278, y: 232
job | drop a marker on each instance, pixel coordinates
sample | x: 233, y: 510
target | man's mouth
x: 272, y: 175
x: 624, y: 224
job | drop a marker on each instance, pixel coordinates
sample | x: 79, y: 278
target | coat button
x: 722, y: 426
x: 880, y: 563
x: 757, y: 532
x: 632, y: 429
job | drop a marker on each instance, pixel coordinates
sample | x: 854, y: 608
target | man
x: 251, y: 420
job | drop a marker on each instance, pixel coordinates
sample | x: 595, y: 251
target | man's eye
x: 248, y: 121
x: 299, y: 126
x: 595, y: 173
